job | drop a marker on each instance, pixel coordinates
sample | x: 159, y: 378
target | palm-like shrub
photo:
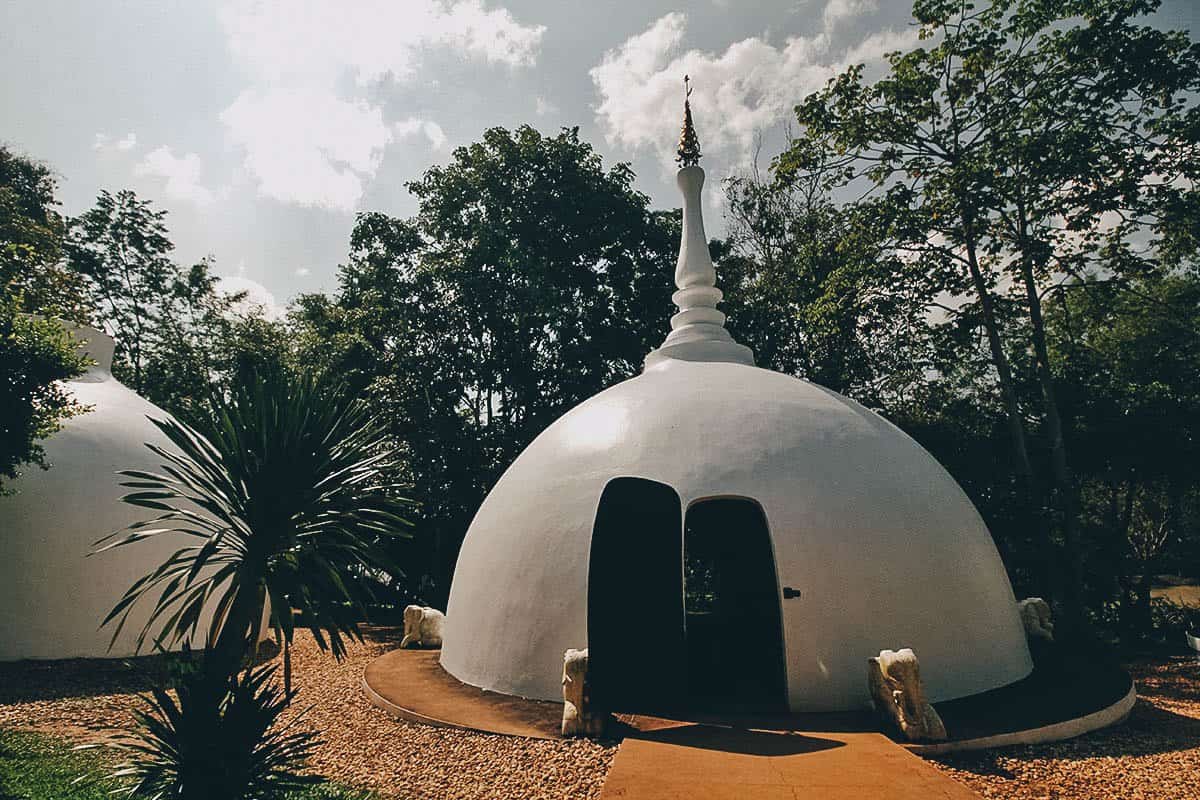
x: 216, y: 737
x: 282, y: 488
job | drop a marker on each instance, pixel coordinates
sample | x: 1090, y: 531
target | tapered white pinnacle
x: 698, y: 330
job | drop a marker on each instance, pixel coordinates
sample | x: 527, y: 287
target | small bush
x: 218, y: 737
x: 1171, y: 620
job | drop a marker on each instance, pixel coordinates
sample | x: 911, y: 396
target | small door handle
x: 789, y: 593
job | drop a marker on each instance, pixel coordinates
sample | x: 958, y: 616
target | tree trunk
x: 1143, y: 615
x: 287, y: 669
x: 233, y: 641
x: 1065, y: 494
x: 1026, y: 495
x: 1016, y: 427
x: 1130, y: 629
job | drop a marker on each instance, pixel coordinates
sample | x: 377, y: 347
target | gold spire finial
x: 688, y: 152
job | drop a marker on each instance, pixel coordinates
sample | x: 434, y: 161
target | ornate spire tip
x: 688, y: 152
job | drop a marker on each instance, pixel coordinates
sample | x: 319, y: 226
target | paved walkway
x: 701, y: 762
x: 411, y: 684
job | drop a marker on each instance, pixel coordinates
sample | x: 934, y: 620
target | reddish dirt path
x: 700, y: 762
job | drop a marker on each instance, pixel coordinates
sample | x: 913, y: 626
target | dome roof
x: 52, y: 596
x: 885, y: 547
x: 856, y: 539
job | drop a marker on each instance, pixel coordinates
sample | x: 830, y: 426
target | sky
x: 263, y: 126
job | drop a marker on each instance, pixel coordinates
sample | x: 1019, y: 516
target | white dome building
x: 720, y: 535
x: 53, y: 597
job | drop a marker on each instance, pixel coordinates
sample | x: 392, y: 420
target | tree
x: 251, y: 346
x: 530, y: 278
x: 161, y: 316
x: 35, y: 354
x: 281, y: 489
x: 1129, y: 366
x: 817, y: 290
x: 1101, y: 128
x: 182, y: 355
x: 999, y: 150
x: 289, y: 476
x: 31, y: 242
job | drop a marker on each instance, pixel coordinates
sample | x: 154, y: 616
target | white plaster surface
x: 885, y: 547
x: 698, y: 330
x: 52, y: 596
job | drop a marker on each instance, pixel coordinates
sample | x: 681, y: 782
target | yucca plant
x: 282, y: 487
x: 216, y: 737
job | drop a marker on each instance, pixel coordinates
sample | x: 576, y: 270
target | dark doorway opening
x: 636, y: 649
x: 734, y: 628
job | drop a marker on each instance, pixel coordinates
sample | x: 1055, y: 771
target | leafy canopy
x: 531, y: 277
x: 35, y: 354
x: 162, y: 316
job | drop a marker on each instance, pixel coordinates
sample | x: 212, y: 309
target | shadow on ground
x: 734, y: 740
x: 387, y: 636
x: 1170, y: 679
x: 31, y: 681
x: 34, y: 680
x: 1148, y: 731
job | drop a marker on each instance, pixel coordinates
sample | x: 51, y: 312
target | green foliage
x: 1129, y: 356
x: 38, y: 767
x: 1165, y: 623
x: 290, y: 476
x: 217, y: 737
x: 250, y: 345
x: 530, y: 279
x: 31, y: 242
x: 817, y: 291
x: 280, y: 485
x: 163, y: 317
x: 35, y: 354
x: 177, y: 338
x: 1170, y: 621
x: 1023, y: 147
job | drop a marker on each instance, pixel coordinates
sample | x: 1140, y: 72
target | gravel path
x: 362, y: 745
x: 1154, y: 755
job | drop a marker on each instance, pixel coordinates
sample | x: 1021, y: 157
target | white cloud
x: 543, y: 107
x: 750, y: 87
x: 124, y: 144
x: 415, y: 125
x: 306, y: 146
x: 435, y: 134
x: 836, y: 11
x: 306, y: 141
x: 302, y: 272
x: 280, y: 40
x: 258, y: 299
x: 180, y: 173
